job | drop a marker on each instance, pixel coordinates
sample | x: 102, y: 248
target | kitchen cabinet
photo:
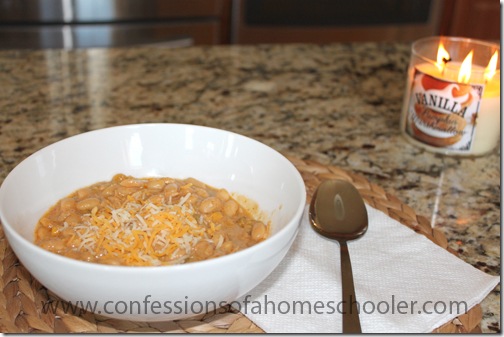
x: 470, y: 18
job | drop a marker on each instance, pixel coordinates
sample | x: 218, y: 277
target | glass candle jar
x: 452, y: 100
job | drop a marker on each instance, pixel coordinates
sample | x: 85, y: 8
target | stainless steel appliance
x: 108, y: 23
x: 326, y: 21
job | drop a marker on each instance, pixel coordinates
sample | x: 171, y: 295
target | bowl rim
x: 294, y: 220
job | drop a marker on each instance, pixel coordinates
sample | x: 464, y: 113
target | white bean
x: 222, y: 194
x: 131, y: 182
x: 210, y: 205
x: 87, y: 204
x: 258, y: 231
x: 230, y: 207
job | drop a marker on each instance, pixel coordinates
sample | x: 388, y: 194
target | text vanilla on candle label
x: 443, y: 113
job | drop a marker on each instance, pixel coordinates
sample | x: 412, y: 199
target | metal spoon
x: 337, y: 212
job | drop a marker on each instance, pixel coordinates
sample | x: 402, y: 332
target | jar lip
x: 456, y: 39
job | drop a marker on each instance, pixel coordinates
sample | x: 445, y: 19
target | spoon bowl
x: 337, y: 211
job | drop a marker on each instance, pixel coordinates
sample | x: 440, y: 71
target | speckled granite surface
x: 338, y: 104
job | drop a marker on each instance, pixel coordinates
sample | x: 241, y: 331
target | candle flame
x: 491, y: 69
x: 442, y: 57
x: 465, y: 69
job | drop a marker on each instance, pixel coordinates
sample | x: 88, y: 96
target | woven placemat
x: 23, y: 299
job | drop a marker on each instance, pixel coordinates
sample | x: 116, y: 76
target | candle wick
x: 445, y: 61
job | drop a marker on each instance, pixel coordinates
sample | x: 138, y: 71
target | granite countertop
x: 337, y: 104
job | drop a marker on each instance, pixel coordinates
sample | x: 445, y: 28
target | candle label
x: 443, y: 113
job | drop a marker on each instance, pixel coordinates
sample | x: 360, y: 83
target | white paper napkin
x: 403, y: 281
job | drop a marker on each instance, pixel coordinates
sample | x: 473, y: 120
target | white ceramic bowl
x: 218, y: 158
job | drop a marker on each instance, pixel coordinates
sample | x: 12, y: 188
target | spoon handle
x: 351, y: 322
